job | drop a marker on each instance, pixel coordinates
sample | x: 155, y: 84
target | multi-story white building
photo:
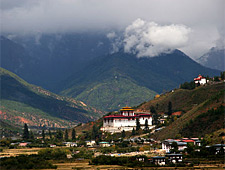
x: 125, y: 120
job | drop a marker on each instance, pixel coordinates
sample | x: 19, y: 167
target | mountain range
x: 214, y: 58
x: 81, y: 66
x: 119, y: 79
x: 22, y: 103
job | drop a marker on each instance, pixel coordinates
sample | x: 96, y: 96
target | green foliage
x: 25, y: 132
x: 73, y: 134
x: 120, y: 79
x: 66, y: 135
x: 205, y: 123
x: 169, y: 108
x: 188, y: 85
x: 26, y: 162
x: 125, y: 161
x: 117, y: 92
x: 43, y: 134
x: 55, y: 154
x: 84, y: 153
x: 59, y: 134
x: 222, y: 75
x: 133, y: 132
x: 138, y: 125
x: 146, y: 125
x: 26, y: 100
x: 123, y: 135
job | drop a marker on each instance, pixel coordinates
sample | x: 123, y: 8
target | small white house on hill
x: 201, y: 80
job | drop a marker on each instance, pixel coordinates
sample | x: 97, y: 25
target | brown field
x: 16, y: 152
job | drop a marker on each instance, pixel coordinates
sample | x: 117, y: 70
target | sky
x: 149, y: 26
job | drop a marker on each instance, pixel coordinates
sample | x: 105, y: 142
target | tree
x: 50, y: 134
x: 43, y: 134
x: 133, y: 132
x: 31, y: 135
x: 174, y: 147
x: 222, y: 75
x: 123, y: 134
x: 138, y: 125
x: 59, y: 134
x: 66, y: 135
x: 152, y: 109
x: 94, y: 133
x: 25, y: 132
x: 146, y: 124
x: 169, y: 108
x: 73, y: 134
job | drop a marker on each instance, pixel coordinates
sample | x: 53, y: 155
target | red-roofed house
x: 201, y: 80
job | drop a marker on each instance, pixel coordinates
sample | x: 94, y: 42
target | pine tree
x: 25, y: 132
x: 43, y: 134
x: 31, y: 135
x: 123, y: 134
x: 94, y: 133
x: 169, y: 108
x: 59, y: 134
x: 50, y: 134
x: 133, y: 132
x: 73, y: 135
x: 138, y: 125
x: 146, y: 124
x: 66, y: 135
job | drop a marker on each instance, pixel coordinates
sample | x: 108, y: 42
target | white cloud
x: 205, y: 17
x: 151, y: 39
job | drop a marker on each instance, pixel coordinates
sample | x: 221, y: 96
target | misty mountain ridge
x: 214, y: 58
x: 53, y: 57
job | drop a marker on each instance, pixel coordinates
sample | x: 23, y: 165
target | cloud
x: 151, y: 39
x: 205, y: 18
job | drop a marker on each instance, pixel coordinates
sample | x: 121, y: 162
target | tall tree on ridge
x: 25, y: 132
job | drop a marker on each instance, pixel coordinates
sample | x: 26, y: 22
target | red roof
x: 125, y: 117
x: 119, y: 116
x: 143, y: 115
x: 188, y: 140
x: 199, y: 77
x: 176, y: 113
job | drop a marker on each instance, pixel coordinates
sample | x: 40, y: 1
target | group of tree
x: 188, y: 85
x: 58, y: 135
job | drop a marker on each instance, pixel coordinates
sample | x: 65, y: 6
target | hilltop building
x: 201, y: 80
x: 125, y: 120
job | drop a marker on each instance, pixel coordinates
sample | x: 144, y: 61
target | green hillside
x: 112, y: 94
x: 22, y: 103
x: 111, y: 81
x: 202, y: 111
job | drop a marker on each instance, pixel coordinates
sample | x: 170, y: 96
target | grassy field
x: 16, y: 152
x: 84, y: 164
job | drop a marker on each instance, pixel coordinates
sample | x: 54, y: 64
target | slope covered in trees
x: 22, y: 103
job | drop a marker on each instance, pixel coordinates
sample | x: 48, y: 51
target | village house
x: 90, y: 143
x: 104, y: 144
x: 181, y: 143
x: 158, y: 160
x: 174, y: 158
x: 200, y: 80
x: 70, y: 144
x: 126, y: 120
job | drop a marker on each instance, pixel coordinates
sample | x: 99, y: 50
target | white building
x: 201, y: 80
x: 125, y: 120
